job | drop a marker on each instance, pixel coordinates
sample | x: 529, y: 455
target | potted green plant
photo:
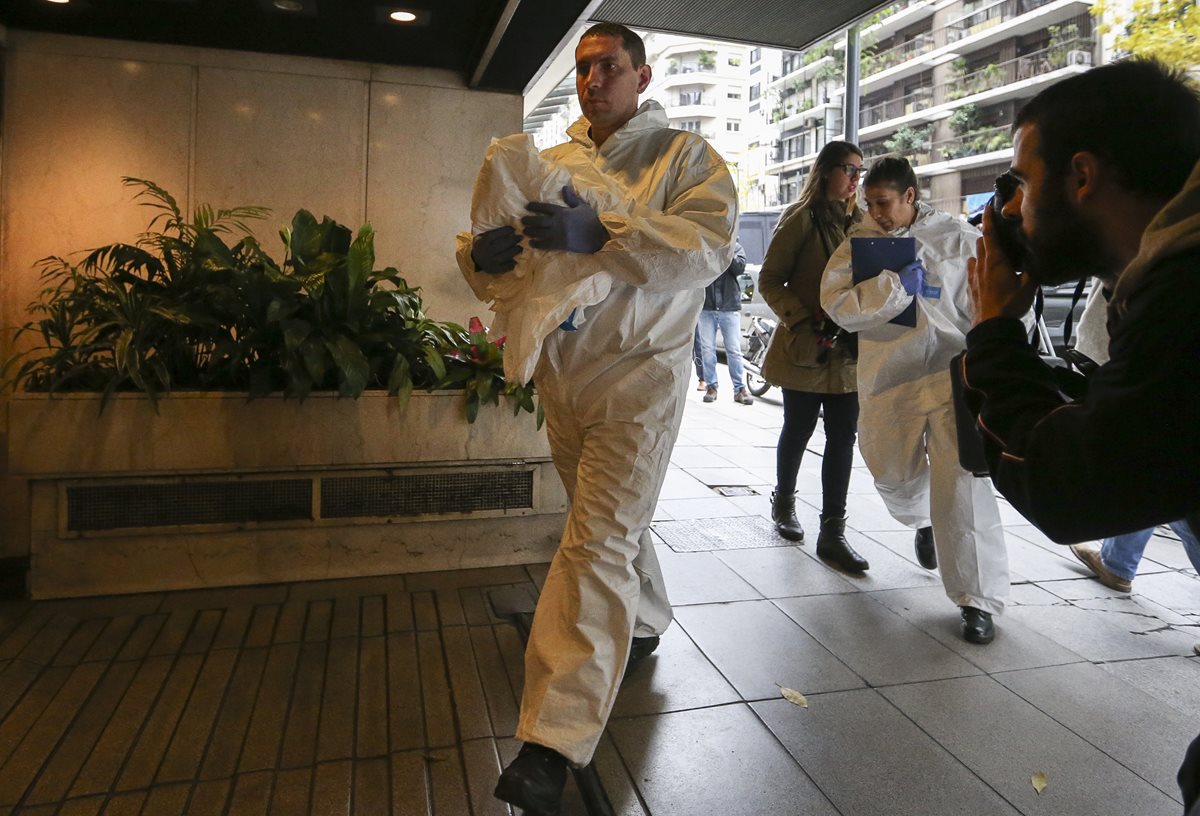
x: 193, y: 362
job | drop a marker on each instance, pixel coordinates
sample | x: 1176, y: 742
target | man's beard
x: 1066, y: 247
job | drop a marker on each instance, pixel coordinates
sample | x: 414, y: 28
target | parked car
x: 1057, y: 304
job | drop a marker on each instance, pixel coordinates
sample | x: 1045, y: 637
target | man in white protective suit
x: 906, y: 427
x: 612, y: 382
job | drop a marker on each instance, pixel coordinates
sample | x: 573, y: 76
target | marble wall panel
x: 282, y: 141
x: 426, y: 146
x: 73, y: 126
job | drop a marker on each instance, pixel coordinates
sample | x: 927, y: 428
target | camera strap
x: 1070, y: 318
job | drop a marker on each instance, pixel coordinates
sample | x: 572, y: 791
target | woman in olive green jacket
x: 810, y: 357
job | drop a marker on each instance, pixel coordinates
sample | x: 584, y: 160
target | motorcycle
x: 758, y: 338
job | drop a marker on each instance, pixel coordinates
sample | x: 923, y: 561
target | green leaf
x: 472, y: 406
x: 436, y: 364
x: 351, y: 363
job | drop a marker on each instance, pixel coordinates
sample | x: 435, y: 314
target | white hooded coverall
x: 613, y: 393
x: 906, y: 427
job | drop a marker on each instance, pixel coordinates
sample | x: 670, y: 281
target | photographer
x: 1097, y: 194
x: 1091, y: 189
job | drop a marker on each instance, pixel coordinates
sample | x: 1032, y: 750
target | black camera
x: 1008, y: 230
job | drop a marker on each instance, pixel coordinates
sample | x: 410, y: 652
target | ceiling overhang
x: 501, y: 45
x: 789, y: 24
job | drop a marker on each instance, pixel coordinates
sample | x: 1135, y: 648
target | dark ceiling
x: 496, y: 44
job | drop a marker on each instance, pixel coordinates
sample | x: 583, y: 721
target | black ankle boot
x: 833, y: 546
x: 534, y: 781
x: 923, y: 543
x: 783, y: 513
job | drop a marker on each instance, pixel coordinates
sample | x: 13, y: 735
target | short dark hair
x: 631, y: 42
x: 892, y: 171
x: 1107, y: 111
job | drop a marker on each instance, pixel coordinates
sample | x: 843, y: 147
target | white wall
x: 396, y: 147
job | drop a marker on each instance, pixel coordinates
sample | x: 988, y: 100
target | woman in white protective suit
x: 906, y: 426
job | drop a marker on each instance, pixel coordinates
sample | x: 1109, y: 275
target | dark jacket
x: 725, y: 293
x: 1126, y: 456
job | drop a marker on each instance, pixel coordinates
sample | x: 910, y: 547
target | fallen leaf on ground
x: 1039, y: 782
x: 794, y: 697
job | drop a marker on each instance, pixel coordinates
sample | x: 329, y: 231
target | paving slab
x: 780, y: 572
x: 693, y: 578
x: 678, y: 484
x: 1005, y: 740
x: 888, y: 570
x: 713, y: 505
x: 759, y: 649
x: 875, y: 642
x: 1142, y: 733
x: 1174, y: 590
x: 870, y: 759
x: 677, y: 676
x: 1016, y: 646
x: 1098, y: 636
x: 715, y: 760
x: 1173, y: 680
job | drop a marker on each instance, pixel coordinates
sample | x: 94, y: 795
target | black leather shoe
x: 783, y: 513
x: 926, y: 554
x: 833, y: 547
x: 534, y: 781
x: 642, y: 647
x: 977, y: 626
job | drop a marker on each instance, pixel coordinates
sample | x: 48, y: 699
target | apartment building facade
x: 939, y: 83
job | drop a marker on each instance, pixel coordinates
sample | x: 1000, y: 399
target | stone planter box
x: 212, y: 490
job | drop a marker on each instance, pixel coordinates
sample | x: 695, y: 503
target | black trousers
x: 800, y: 411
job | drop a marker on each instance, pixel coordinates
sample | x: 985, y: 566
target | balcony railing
x: 979, y: 20
x: 973, y: 143
x: 918, y: 45
x: 1075, y: 51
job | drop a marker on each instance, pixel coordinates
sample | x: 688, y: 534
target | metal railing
x: 873, y: 63
x: 991, y: 76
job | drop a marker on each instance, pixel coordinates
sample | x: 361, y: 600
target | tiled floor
x: 399, y: 695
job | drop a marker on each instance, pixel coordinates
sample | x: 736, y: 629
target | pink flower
x: 500, y: 343
x: 476, y: 326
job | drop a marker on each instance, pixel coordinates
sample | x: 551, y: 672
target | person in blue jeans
x: 1115, y: 561
x: 722, y: 310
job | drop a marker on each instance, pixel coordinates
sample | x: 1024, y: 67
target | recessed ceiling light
x: 289, y: 5
x: 59, y: 2
x: 402, y: 16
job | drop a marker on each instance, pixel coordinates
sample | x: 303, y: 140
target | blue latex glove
x: 573, y: 228
x: 912, y: 277
x: 495, y: 251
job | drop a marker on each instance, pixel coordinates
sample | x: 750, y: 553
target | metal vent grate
x: 112, y: 507
x: 425, y: 493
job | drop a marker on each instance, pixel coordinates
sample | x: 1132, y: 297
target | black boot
x: 977, y: 626
x: 639, y: 649
x: 783, y: 513
x: 926, y: 554
x: 534, y: 781
x: 832, y: 546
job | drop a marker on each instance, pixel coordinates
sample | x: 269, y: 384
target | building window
x: 733, y: 94
x: 735, y: 61
x: 755, y: 54
x: 690, y: 125
x: 755, y: 91
x: 733, y: 126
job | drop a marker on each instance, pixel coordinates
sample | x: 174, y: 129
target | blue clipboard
x: 870, y: 256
